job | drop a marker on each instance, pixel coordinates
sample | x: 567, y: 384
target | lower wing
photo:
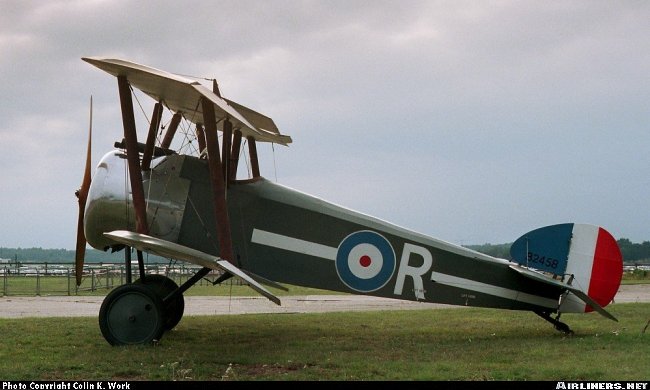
x: 170, y: 249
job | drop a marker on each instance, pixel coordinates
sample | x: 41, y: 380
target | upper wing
x: 183, y: 95
x: 169, y: 249
x: 541, y: 278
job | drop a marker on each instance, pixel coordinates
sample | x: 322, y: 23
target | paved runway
x: 88, y: 306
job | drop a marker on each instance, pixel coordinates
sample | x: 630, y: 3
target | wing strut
x: 217, y: 180
x: 200, y: 136
x: 149, y: 147
x: 133, y: 160
x: 252, y: 151
x: 171, y: 131
x: 225, y: 151
x: 234, y: 155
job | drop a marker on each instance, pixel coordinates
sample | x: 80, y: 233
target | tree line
x: 40, y: 255
x: 632, y: 252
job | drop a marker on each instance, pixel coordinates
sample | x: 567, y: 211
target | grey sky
x: 470, y: 121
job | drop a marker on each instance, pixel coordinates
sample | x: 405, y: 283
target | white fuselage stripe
x: 293, y: 244
x: 472, y: 285
x: 297, y: 245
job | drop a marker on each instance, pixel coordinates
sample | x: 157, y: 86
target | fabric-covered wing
x: 172, y: 250
x: 182, y: 95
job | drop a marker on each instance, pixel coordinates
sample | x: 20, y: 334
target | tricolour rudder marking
x: 607, y: 270
x: 596, y: 264
x: 585, y: 256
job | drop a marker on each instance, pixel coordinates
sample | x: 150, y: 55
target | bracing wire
x: 275, y: 168
x: 246, y: 160
x: 126, y: 194
x: 230, y: 298
x: 140, y: 105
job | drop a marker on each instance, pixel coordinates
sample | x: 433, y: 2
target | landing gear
x: 132, y: 314
x: 561, y: 326
x: 163, y: 287
x: 140, y: 312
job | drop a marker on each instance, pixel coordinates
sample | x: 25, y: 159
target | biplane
x: 188, y: 204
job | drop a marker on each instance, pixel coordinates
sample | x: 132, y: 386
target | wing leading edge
x: 169, y: 249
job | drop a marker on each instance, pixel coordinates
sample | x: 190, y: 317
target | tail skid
x: 559, y: 325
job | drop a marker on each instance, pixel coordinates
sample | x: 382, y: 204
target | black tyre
x: 163, y: 286
x: 132, y: 314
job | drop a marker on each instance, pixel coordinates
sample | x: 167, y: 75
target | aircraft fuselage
x: 291, y: 237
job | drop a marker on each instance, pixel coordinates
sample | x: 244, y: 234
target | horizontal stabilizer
x: 545, y: 279
x: 172, y: 250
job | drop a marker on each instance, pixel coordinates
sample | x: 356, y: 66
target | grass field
x: 441, y: 344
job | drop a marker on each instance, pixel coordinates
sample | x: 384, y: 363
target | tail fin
x: 587, y: 257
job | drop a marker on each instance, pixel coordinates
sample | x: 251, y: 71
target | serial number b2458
x: 544, y: 261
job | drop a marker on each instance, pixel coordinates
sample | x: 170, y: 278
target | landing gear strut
x: 561, y: 326
x: 163, y: 287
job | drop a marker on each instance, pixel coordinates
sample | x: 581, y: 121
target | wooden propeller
x: 82, y: 194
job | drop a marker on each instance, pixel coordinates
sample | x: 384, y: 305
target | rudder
x: 585, y: 256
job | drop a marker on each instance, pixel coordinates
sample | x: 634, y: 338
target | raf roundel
x: 365, y: 261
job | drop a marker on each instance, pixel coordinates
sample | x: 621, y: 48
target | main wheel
x: 164, y: 286
x: 132, y: 314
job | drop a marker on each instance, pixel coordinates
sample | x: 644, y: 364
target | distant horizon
x: 2, y: 248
